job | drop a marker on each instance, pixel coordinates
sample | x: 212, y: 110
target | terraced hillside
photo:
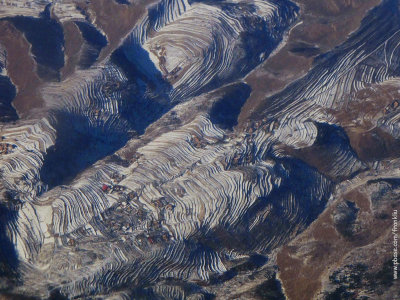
x: 188, y: 149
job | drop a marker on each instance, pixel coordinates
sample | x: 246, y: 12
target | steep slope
x: 7, y: 90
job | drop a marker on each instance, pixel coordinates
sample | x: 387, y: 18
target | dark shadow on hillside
x: 225, y: 111
x: 79, y: 143
x: 8, y: 256
x: 95, y: 42
x: 47, y: 39
x: 299, y: 182
x: 145, y: 98
x: 7, y: 95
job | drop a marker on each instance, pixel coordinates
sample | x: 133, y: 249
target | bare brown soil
x: 21, y: 68
x: 359, y: 120
x: 321, y: 248
x: 73, y: 43
x: 306, y: 262
x: 323, y: 24
x: 116, y: 20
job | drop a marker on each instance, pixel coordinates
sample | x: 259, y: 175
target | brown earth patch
x: 21, y: 68
x: 325, y: 24
x: 305, y: 262
x: 73, y: 43
x: 360, y: 199
x: 359, y: 119
x: 298, y: 272
x: 374, y: 144
x: 116, y: 20
x: 314, y: 156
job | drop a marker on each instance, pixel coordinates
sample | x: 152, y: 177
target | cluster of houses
x: 391, y: 107
x: 6, y: 148
x: 154, y: 233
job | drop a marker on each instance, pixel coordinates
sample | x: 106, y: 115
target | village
x: 130, y: 216
x: 6, y: 148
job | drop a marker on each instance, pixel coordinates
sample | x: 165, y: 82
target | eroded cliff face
x: 155, y: 157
